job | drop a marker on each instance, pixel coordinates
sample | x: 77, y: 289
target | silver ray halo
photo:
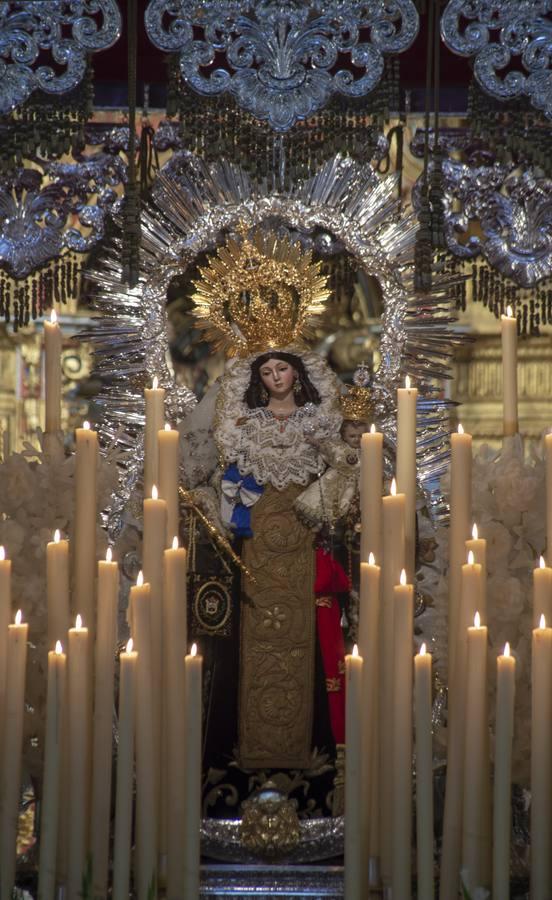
x: 194, y: 205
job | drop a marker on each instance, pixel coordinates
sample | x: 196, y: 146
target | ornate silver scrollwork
x: 279, y: 58
x: 498, y: 33
x: 68, y: 30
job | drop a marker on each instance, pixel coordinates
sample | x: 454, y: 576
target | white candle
x: 502, y: 792
x: 147, y: 743
x: 475, y: 767
x: 508, y: 329
x: 125, y: 774
x: 155, y: 414
x: 406, y: 468
x: 401, y: 879
x: 424, y: 774
x: 5, y: 614
x: 168, y: 442
x: 393, y: 563
x: 191, y: 843
x: 541, y: 770
x: 57, y: 588
x: 55, y: 715
x: 13, y: 745
x: 353, y: 768
x: 371, y: 486
x: 548, y: 469
x: 459, y: 527
x: 52, y: 374
x: 174, y: 608
x: 478, y: 547
x: 108, y: 595
x: 368, y: 643
x: 542, y: 592
x: 79, y: 754
x: 86, y: 503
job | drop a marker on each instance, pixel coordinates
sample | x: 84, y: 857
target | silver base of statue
x: 324, y: 882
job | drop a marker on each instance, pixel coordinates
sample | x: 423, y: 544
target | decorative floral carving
x: 499, y: 33
x: 66, y: 29
x: 280, y: 58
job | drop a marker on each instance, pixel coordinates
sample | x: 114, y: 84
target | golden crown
x: 258, y: 294
x: 356, y: 404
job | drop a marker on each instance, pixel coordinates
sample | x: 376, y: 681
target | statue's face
x: 277, y: 376
x: 351, y: 432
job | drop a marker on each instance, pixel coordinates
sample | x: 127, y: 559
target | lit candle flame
x: 423, y: 650
x: 2, y: 553
x: 403, y: 576
x: 407, y: 382
x: 140, y: 579
x: 471, y: 558
x: 57, y: 536
x: 59, y: 648
x: 475, y: 533
x: 393, y: 488
x: 154, y: 492
x: 86, y: 426
x: 193, y: 651
x: 477, y: 620
x: 109, y: 555
x: 542, y: 621
x: 541, y: 562
x: 167, y: 426
x: 175, y: 543
x: 18, y: 617
x: 53, y: 317
x: 130, y: 645
x: 506, y: 649
x: 155, y: 382
x: 371, y: 559
x: 509, y: 312
x: 372, y: 428
x: 355, y: 650
x: 460, y: 428
x: 78, y: 621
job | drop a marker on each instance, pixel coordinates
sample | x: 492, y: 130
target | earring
x: 297, y: 387
x: 264, y: 395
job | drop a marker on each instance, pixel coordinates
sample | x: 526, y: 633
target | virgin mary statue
x: 251, y: 447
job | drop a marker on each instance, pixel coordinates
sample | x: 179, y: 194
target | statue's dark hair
x: 255, y: 393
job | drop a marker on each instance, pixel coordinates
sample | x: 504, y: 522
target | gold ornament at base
x: 270, y: 824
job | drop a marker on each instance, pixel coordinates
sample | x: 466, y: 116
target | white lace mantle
x: 276, y: 451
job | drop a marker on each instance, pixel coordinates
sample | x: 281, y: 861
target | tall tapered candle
x: 401, y: 878
x: 57, y: 588
x: 502, y: 789
x: 542, y: 592
x: 393, y: 563
x: 191, y: 851
x: 368, y: 643
x: 406, y: 468
x: 371, y: 487
x: 459, y: 528
x: 55, y: 714
x: 5, y: 614
x: 424, y: 774
x: 10, y: 787
x: 168, y: 442
x: 79, y: 691
x: 353, y: 769
x: 52, y: 374
x: 155, y: 414
x: 541, y: 770
x: 125, y: 774
x: 174, y: 610
x: 147, y: 760
x: 104, y: 677
x: 508, y: 328
x: 548, y: 470
x: 86, y: 503
x: 476, y: 746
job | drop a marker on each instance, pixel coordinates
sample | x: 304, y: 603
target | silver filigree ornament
x: 195, y: 205
x: 279, y: 58
x: 68, y: 30
x: 510, y: 42
x: 491, y: 210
